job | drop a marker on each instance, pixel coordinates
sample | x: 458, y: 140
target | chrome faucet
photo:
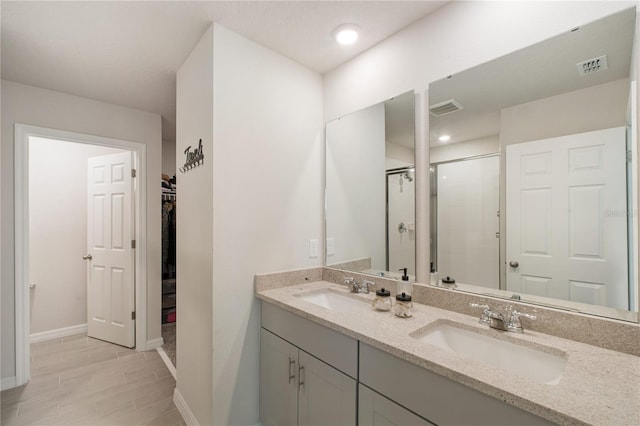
x: 366, y: 284
x: 497, y: 320
x: 515, y: 324
x: 484, y: 319
x: 354, y: 287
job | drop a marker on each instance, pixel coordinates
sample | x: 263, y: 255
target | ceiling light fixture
x: 346, y: 34
x: 444, y: 138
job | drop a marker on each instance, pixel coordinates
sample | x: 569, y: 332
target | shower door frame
x: 388, y: 173
x: 433, y: 206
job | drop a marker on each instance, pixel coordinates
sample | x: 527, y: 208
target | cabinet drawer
x: 434, y: 397
x: 330, y: 346
x: 375, y: 409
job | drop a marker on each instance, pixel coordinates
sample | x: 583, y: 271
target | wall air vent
x: 592, y: 65
x: 445, y: 107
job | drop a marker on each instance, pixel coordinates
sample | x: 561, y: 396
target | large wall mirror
x: 534, y: 172
x: 370, y: 189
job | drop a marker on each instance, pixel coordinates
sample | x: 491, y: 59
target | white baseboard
x: 167, y: 362
x: 154, y: 344
x: 184, y: 409
x: 8, y: 383
x: 57, y: 333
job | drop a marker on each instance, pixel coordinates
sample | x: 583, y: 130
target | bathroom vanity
x: 328, y: 358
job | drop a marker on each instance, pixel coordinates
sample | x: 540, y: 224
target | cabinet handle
x: 292, y: 375
x: 300, y: 376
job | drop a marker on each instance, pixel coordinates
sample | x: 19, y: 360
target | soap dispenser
x: 434, y: 277
x: 404, y: 285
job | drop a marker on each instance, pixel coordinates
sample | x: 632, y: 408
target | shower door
x: 401, y: 233
x: 466, y: 205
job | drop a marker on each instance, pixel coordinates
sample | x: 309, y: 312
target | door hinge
x: 133, y: 173
x: 133, y: 244
x: 133, y: 316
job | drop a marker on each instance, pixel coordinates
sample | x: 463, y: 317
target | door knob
x: 514, y: 263
x: 87, y: 257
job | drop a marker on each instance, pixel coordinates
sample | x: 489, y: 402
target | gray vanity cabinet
x: 298, y: 389
x: 278, y: 384
x: 375, y: 409
x: 307, y: 372
x: 434, y: 397
x: 326, y: 396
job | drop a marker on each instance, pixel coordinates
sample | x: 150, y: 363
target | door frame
x: 22, y: 134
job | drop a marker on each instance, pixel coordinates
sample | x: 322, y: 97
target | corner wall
x: 46, y: 108
x: 194, y: 233
x: 268, y: 201
x: 169, y: 157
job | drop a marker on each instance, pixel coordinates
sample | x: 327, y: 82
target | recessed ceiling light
x: 444, y: 138
x: 346, y: 34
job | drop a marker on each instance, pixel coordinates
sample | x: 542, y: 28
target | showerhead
x: 407, y: 176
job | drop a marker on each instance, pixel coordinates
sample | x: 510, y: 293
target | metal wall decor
x: 194, y: 158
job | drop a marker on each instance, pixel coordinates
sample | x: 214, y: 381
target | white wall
x: 46, y: 108
x: 398, y: 156
x: 268, y: 199
x: 355, y: 205
x: 594, y: 108
x: 459, y: 150
x: 169, y: 157
x: 194, y: 233
x: 58, y: 231
x: 455, y: 37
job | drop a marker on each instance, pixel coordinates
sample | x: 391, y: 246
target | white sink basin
x: 536, y: 364
x: 333, y: 300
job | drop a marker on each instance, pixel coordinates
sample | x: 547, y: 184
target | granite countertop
x: 598, y: 387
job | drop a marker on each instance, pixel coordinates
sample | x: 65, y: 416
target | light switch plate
x: 314, y: 248
x: 331, y: 246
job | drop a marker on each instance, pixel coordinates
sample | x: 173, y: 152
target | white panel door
x: 110, y: 230
x: 326, y: 396
x: 566, y: 218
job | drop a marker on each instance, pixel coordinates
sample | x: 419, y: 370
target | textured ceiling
x: 127, y: 52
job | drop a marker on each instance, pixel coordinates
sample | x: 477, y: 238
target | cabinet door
x: 326, y: 396
x: 278, y: 381
x: 376, y: 410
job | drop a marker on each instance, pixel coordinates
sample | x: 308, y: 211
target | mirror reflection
x: 534, y: 172
x: 369, y: 193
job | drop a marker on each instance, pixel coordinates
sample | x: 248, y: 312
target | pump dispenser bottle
x: 404, y: 285
x: 434, y: 278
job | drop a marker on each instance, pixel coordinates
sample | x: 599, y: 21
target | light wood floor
x: 78, y: 380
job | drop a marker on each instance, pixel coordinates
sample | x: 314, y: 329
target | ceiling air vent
x: 592, y: 65
x: 445, y: 107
